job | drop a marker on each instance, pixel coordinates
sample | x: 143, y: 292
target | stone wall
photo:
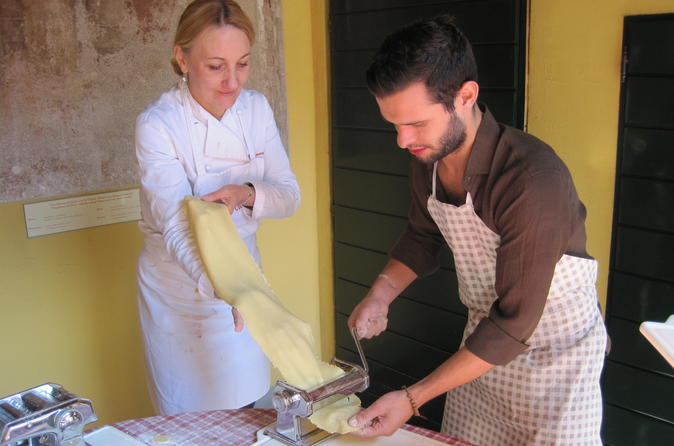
x: 76, y: 73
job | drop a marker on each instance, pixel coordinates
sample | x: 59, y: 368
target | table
x: 222, y: 428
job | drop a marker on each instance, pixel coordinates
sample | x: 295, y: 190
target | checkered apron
x: 549, y: 394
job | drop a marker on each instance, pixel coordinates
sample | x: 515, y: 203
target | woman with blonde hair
x: 208, y: 137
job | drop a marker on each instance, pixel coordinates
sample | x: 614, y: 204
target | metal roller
x: 46, y: 415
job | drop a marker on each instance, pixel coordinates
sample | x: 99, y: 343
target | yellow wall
x: 296, y: 252
x: 573, y: 98
x: 69, y: 314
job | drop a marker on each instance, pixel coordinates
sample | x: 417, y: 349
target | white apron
x: 549, y: 394
x: 195, y: 359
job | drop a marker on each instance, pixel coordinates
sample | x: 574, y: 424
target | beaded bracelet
x: 413, y: 403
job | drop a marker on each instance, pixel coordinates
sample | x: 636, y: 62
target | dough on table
x: 285, y: 339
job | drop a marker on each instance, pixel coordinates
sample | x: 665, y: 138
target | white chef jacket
x: 195, y: 360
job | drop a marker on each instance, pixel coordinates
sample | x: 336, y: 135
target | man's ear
x: 467, y: 95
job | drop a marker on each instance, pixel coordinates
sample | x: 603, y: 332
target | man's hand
x: 238, y: 320
x: 369, y: 317
x: 233, y: 196
x: 384, y: 416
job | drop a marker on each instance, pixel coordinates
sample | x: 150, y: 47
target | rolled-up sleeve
x: 534, y: 219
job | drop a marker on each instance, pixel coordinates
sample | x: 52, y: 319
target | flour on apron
x: 549, y: 394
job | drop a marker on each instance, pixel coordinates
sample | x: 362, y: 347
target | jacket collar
x: 199, y: 112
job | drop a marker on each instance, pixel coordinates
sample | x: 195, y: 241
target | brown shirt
x: 523, y: 192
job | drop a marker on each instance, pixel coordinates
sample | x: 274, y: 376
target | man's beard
x: 450, y: 141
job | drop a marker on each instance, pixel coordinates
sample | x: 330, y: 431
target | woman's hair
x: 200, y: 14
x: 433, y: 51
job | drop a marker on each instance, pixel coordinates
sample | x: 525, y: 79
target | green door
x: 638, y: 384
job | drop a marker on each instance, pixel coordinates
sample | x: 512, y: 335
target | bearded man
x: 527, y: 371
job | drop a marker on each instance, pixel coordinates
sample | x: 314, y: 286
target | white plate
x: 110, y: 436
x: 661, y: 335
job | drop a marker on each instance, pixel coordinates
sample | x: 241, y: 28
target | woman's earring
x: 184, y: 77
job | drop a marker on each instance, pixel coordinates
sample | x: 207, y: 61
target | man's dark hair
x: 432, y: 51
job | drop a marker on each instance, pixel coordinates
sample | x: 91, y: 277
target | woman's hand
x: 238, y: 320
x: 233, y: 196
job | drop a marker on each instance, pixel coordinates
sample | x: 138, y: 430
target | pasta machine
x: 294, y: 406
x: 46, y: 415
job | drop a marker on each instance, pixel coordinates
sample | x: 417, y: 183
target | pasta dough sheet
x: 285, y: 339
